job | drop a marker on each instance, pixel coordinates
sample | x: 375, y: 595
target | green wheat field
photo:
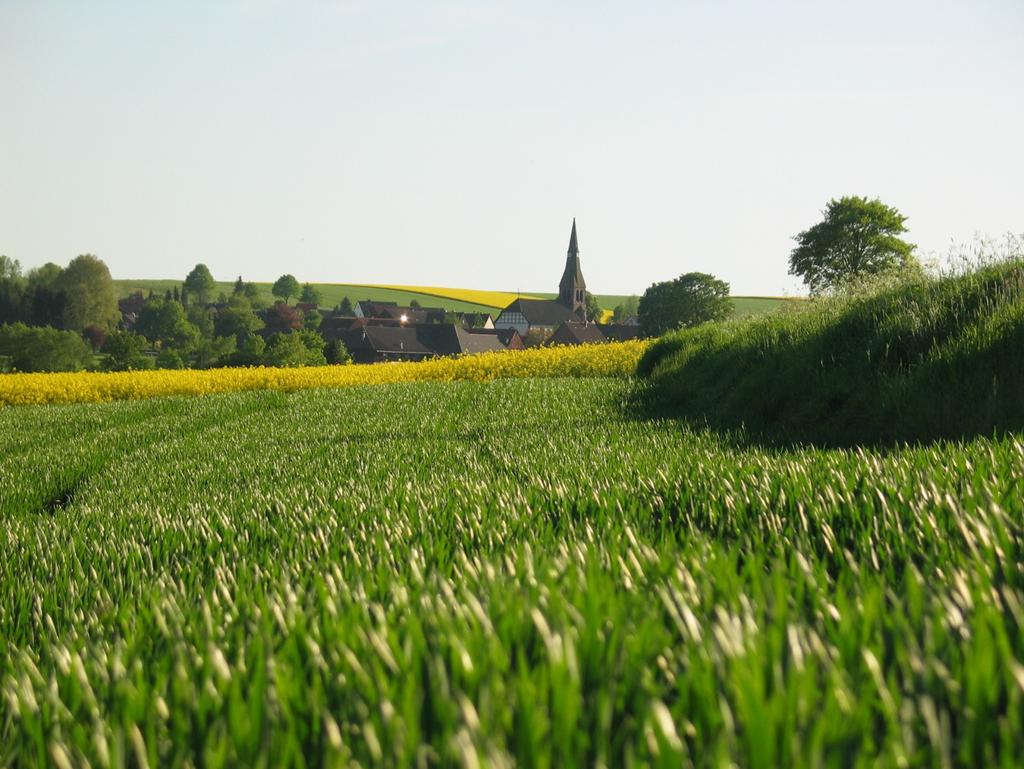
x: 524, y: 573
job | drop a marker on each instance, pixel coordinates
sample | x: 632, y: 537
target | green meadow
x: 522, y: 573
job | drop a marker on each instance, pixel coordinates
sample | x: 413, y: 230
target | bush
x: 124, y: 351
x: 921, y: 360
x: 43, y: 349
x: 169, y: 358
x: 303, y: 348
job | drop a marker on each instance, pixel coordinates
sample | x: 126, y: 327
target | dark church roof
x: 541, y: 312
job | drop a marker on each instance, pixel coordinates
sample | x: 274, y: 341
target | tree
x: 200, y: 283
x: 303, y: 348
x: 249, y: 352
x: 44, y: 300
x: 43, y: 349
x: 626, y: 309
x: 239, y: 286
x: 593, y: 308
x: 12, y: 291
x: 255, y: 296
x: 310, y: 294
x: 124, y: 352
x: 689, y: 300
x: 414, y: 304
x: 285, y: 287
x: 214, y: 351
x: 283, y: 317
x: 857, y: 237
x: 95, y: 336
x: 169, y: 358
x: 166, y: 323
x: 336, y: 353
x: 345, y: 308
x: 237, y: 319
x: 202, y: 318
x: 90, y: 298
x: 311, y: 320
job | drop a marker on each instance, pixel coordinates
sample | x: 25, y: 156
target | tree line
x: 69, y: 319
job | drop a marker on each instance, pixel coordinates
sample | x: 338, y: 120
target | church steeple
x: 572, y: 289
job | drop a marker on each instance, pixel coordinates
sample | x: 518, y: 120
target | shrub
x: 43, y: 349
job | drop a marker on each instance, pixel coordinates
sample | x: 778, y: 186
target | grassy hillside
x: 456, y: 299
x: 496, y: 575
x: 922, y: 360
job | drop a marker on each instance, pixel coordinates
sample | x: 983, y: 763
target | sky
x: 452, y: 143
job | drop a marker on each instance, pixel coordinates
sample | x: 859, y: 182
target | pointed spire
x: 573, y: 246
x: 572, y: 288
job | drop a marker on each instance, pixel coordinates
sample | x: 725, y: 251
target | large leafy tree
x: 689, y: 300
x: 594, y: 311
x: 200, y: 284
x: 90, y: 298
x: 43, y: 349
x: 124, y: 351
x: 285, y: 287
x: 237, y: 319
x: 303, y: 348
x: 165, y: 322
x: 283, y: 317
x: 856, y: 238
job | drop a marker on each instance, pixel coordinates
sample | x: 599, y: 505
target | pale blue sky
x: 451, y: 143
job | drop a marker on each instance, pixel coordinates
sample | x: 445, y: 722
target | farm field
x: 615, y: 359
x: 456, y: 299
x: 516, y: 573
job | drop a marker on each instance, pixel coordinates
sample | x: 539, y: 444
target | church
x: 524, y: 315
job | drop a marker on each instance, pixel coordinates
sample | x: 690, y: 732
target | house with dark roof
x: 574, y: 332
x: 525, y: 315
x: 508, y: 337
x: 376, y: 340
x: 394, y: 311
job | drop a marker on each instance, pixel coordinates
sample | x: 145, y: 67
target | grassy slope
x: 919, y: 361
x: 375, y: 576
x: 333, y: 293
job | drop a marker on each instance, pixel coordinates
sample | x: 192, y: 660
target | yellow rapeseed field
x: 497, y: 299
x: 606, y: 360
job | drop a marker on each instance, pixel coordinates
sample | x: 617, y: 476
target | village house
x: 574, y: 333
x: 376, y: 340
x: 392, y: 310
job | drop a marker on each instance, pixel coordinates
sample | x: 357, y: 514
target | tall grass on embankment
x: 920, y: 360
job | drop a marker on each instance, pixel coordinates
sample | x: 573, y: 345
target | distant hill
x: 456, y: 299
